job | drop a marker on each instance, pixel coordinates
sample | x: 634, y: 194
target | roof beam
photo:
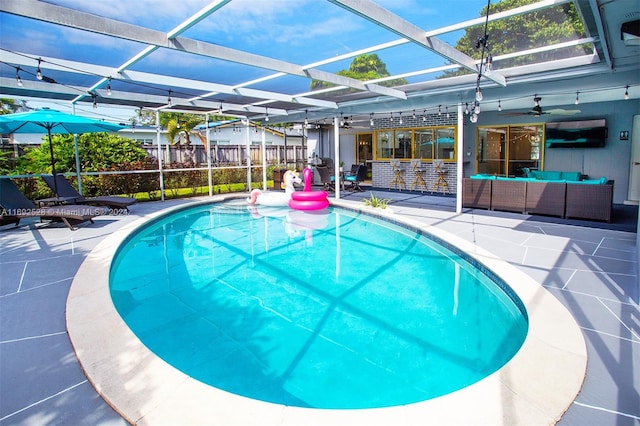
x: 74, y: 19
x: 30, y: 87
x: 431, y: 33
x: 384, y: 18
x: 197, y: 17
x: 184, y: 26
x: 143, y: 77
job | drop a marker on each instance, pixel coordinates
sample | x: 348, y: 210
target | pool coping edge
x: 535, y: 387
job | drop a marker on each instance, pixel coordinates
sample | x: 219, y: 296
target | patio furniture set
x: 563, y: 194
x: 67, y: 205
x: 354, y: 178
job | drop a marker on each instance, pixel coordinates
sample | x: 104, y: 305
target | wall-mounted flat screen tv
x: 576, y: 134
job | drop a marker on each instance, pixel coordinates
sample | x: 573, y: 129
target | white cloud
x: 143, y: 12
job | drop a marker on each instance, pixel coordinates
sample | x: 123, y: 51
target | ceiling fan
x: 537, y: 110
x: 345, y: 122
x: 351, y: 123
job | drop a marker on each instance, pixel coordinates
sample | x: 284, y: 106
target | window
x: 445, y: 143
x: 384, y: 149
x: 507, y: 150
x: 524, y: 149
x: 491, y: 150
x: 364, y: 144
x: 426, y: 143
x: 402, y: 144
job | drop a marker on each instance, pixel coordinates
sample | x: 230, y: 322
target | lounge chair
x: 358, y: 174
x: 15, y: 206
x: 68, y: 192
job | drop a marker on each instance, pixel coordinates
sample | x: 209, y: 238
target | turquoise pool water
x: 331, y: 309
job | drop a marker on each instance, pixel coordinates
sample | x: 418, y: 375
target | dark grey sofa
x: 592, y: 199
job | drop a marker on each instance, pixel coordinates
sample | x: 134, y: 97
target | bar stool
x: 418, y: 179
x: 440, y: 180
x: 397, y: 180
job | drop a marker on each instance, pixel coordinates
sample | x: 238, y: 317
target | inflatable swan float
x: 276, y: 198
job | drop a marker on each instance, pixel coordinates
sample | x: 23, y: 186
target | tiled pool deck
x: 591, y: 271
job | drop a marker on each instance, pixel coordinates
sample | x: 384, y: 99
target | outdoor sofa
x: 569, y: 195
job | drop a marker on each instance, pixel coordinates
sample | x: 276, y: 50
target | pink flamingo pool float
x: 308, y: 199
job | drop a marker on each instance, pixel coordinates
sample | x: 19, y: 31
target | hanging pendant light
x: 479, y: 96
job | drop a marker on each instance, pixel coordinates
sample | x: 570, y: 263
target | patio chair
x: 14, y: 206
x: 326, y: 178
x: 67, y: 192
x: 358, y: 175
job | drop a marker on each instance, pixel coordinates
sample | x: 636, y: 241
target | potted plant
x: 341, y: 166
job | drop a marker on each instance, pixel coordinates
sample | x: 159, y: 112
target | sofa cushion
x: 573, y: 176
x: 600, y: 181
x: 546, y: 175
x: 482, y: 176
x: 590, y: 181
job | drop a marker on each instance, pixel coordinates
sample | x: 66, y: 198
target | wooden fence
x: 295, y: 156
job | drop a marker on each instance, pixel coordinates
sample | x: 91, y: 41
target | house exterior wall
x: 612, y: 160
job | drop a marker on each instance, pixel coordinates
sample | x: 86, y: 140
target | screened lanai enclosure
x: 359, y: 82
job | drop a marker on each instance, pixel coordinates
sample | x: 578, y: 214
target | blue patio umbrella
x: 54, y: 122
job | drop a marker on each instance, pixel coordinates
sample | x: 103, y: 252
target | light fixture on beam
x: 39, y: 71
x: 94, y: 96
x: 18, y: 79
x: 536, y: 101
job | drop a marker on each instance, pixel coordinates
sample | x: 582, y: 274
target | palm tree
x: 179, y: 128
x: 9, y: 106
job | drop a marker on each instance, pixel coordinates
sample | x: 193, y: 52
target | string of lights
x: 470, y: 108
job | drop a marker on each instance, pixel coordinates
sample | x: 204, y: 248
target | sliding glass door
x: 509, y: 150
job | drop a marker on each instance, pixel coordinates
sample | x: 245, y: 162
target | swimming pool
x: 333, y: 309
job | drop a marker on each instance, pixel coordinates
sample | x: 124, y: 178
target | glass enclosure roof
x: 251, y: 58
